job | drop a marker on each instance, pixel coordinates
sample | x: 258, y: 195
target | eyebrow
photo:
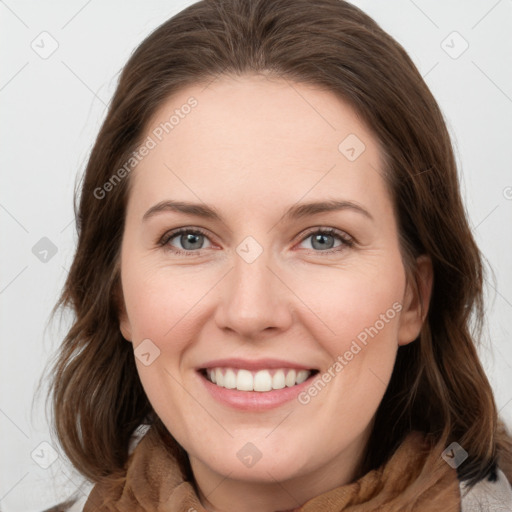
x: 297, y: 211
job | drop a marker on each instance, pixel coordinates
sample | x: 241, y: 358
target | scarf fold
x: 413, y: 480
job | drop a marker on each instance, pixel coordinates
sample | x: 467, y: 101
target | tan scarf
x: 413, y: 480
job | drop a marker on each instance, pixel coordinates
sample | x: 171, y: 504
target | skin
x: 293, y: 302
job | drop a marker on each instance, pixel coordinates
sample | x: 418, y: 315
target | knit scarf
x: 413, y: 480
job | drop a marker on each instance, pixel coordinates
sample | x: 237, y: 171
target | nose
x: 254, y: 299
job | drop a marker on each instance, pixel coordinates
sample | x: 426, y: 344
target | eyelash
x: 346, y: 240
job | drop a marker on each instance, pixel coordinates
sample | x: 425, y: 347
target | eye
x: 323, y: 239
x: 191, y: 240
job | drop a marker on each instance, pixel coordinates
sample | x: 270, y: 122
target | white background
x: 51, y: 110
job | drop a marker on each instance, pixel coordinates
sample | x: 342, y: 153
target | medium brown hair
x: 438, y: 385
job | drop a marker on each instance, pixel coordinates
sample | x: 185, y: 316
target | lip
x: 254, y: 364
x: 254, y: 401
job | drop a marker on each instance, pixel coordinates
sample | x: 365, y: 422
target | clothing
x: 488, y: 496
x: 154, y: 482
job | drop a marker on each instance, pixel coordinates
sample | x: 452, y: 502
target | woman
x: 275, y: 274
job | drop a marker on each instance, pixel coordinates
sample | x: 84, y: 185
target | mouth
x: 261, y: 381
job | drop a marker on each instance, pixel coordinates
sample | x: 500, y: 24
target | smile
x: 261, y: 380
x: 255, y: 384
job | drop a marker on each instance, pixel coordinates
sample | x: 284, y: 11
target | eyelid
x: 329, y: 230
x: 346, y: 239
x: 169, y: 235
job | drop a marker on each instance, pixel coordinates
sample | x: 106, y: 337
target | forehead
x: 255, y: 140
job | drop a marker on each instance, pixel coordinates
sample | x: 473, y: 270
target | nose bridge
x: 253, y: 298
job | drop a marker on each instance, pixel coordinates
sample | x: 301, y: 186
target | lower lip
x: 255, y: 400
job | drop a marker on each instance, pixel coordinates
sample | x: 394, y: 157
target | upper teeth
x: 262, y: 380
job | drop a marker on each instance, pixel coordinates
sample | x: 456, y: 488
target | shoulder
x: 488, y: 494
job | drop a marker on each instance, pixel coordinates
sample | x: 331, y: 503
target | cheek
x: 162, y: 303
x: 347, y: 304
x: 356, y: 322
x: 162, y: 306
x: 365, y: 315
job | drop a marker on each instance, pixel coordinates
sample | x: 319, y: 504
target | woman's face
x: 260, y: 289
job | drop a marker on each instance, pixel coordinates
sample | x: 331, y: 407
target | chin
x: 247, y: 464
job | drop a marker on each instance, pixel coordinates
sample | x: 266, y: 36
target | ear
x: 124, y: 322
x: 416, y: 300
